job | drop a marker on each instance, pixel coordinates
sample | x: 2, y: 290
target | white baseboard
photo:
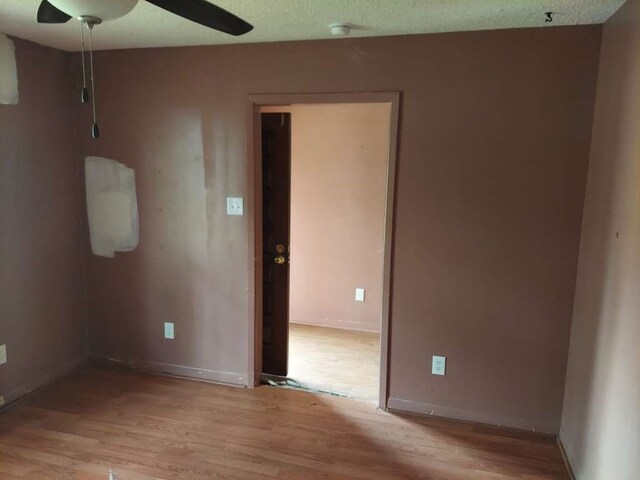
x: 41, y: 381
x: 399, y: 405
x: 203, y: 374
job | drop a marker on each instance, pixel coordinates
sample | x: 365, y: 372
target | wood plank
x: 152, y: 427
x: 335, y: 360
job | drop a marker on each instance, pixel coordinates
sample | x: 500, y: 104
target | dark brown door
x: 276, y: 192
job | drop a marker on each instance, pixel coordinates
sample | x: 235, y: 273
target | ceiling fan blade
x: 207, y: 14
x: 47, y: 13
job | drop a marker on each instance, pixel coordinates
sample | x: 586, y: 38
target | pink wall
x: 601, y: 417
x: 495, y: 130
x: 339, y: 165
x: 42, y: 294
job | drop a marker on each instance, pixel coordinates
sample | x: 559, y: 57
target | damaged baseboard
x: 202, y: 374
x: 399, y: 405
x: 42, y: 381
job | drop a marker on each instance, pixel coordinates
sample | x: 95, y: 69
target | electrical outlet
x: 359, y: 294
x: 235, y: 206
x: 3, y: 354
x: 169, y: 330
x: 438, y: 365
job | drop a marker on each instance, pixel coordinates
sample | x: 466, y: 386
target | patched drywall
x: 8, y: 72
x: 112, y: 206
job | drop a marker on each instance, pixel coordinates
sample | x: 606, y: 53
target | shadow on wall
x: 253, y: 434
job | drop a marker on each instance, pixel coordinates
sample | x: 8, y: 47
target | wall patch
x: 112, y: 206
x: 8, y: 72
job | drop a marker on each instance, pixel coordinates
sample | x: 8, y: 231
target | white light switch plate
x: 235, y: 206
x: 439, y: 365
x: 3, y: 354
x: 359, y: 294
x: 169, y: 330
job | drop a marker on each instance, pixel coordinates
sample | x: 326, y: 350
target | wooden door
x: 276, y: 200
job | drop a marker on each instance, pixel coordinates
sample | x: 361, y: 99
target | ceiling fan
x: 199, y: 11
x: 93, y: 12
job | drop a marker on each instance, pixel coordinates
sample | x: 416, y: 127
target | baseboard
x: 202, y: 374
x: 567, y: 454
x: 347, y: 325
x: 399, y: 405
x: 41, y: 382
x: 565, y: 458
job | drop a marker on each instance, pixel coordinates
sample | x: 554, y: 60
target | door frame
x: 254, y: 218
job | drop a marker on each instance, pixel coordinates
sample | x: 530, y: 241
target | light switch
x: 439, y: 365
x: 169, y: 330
x: 235, y: 206
x: 359, y: 294
x: 3, y: 354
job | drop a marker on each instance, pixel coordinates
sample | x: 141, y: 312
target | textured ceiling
x: 279, y: 20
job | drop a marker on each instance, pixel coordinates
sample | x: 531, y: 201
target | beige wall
x: 493, y: 147
x: 42, y: 308
x: 339, y: 158
x: 601, y: 416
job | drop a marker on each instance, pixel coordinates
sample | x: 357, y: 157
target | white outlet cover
x: 438, y: 365
x: 359, y: 294
x: 169, y: 330
x: 235, y: 206
x: 3, y: 354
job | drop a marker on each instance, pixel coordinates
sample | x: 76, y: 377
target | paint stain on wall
x: 8, y: 72
x: 112, y: 206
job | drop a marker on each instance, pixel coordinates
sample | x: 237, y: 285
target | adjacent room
x: 332, y: 244
x: 304, y: 239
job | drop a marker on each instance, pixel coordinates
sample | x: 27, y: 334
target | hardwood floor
x: 337, y: 361
x: 150, y: 427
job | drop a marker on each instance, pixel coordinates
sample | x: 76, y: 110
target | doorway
x: 323, y: 212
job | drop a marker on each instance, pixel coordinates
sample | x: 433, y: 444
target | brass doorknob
x: 279, y: 259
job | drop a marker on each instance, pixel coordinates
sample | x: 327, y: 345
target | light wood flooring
x: 150, y: 427
x: 333, y: 360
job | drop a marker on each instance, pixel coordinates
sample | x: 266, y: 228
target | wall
x: 339, y: 159
x: 601, y: 417
x: 493, y: 149
x: 42, y: 309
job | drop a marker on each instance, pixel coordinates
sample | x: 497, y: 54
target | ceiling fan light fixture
x: 103, y: 9
x: 94, y: 12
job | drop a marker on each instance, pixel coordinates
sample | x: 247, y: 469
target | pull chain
x: 95, y: 131
x: 85, y: 92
